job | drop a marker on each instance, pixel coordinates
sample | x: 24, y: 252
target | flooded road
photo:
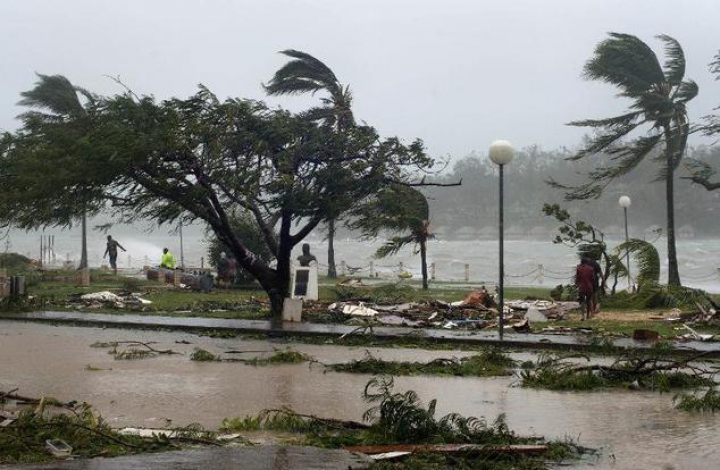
x: 636, y: 430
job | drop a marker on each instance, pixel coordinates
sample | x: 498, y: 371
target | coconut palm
x: 403, y: 212
x: 306, y: 74
x: 658, y: 97
x: 56, y: 99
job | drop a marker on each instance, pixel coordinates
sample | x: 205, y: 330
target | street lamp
x: 625, y: 203
x: 501, y: 153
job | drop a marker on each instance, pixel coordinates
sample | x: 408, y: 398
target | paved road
x: 515, y: 340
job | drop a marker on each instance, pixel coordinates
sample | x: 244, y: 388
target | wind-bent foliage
x: 55, y: 112
x: 202, y: 159
x: 647, y: 260
x: 306, y: 74
x: 659, y: 96
x: 700, y: 172
x: 402, y: 211
x: 589, y: 241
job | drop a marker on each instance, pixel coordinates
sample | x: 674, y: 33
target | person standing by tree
x: 585, y: 281
x: 112, y: 251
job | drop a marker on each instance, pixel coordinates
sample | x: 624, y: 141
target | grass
x: 626, y: 328
x: 489, y: 363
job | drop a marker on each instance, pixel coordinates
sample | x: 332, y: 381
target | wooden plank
x: 451, y: 448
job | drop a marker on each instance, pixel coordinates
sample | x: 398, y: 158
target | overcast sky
x: 457, y: 74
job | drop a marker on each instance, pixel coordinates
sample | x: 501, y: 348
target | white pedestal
x: 292, y: 310
x: 305, y: 282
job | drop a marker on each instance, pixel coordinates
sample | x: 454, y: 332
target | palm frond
x: 53, y: 93
x: 627, y: 62
x: 305, y: 74
x: 674, y: 60
x: 394, y: 245
x: 646, y: 258
x: 687, y: 91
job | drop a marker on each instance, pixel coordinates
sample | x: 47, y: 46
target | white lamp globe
x: 624, y: 202
x: 501, y: 152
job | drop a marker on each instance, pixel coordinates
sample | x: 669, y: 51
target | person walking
x: 585, y: 282
x: 597, y: 285
x: 112, y: 250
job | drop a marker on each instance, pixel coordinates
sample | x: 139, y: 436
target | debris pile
x: 477, y: 310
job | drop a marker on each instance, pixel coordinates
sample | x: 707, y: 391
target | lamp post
x: 625, y: 203
x: 501, y: 153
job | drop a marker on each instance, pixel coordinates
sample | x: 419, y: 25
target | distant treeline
x: 471, y: 209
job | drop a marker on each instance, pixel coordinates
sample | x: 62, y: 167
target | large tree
x: 61, y: 112
x: 306, y: 74
x: 658, y: 97
x: 202, y: 159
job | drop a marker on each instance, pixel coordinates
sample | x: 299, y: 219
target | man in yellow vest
x: 168, y: 260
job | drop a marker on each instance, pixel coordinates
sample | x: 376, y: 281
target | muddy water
x: 635, y: 430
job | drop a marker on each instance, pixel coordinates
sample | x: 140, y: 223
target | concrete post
x: 467, y: 272
x: 343, y: 270
x: 177, y: 277
x: 432, y: 271
x: 541, y: 273
x: 372, y: 269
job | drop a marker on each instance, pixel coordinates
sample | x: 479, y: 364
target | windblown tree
x: 306, y: 74
x: 202, y: 159
x: 701, y: 172
x: 401, y: 211
x: 61, y: 112
x: 658, y: 97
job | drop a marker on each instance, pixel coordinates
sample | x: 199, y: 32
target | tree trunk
x: 332, y: 272
x: 673, y: 271
x: 423, y: 263
x: 83, y: 250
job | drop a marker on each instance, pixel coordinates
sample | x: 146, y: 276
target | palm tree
x: 659, y: 96
x: 404, y: 212
x: 56, y: 99
x: 306, y: 74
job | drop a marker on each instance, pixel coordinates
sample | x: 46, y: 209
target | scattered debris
x: 58, y: 448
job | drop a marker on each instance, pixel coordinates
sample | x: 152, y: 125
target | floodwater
x: 635, y: 430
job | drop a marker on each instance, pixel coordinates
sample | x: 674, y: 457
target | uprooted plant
x: 397, y: 418
x: 656, y: 368
x: 708, y: 401
x: 488, y: 363
x: 279, y: 356
x: 128, y: 350
x: 24, y: 439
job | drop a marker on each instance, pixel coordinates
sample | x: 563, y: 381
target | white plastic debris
x: 104, y: 296
x: 359, y: 310
x: 534, y: 315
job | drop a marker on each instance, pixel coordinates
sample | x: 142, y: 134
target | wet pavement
x: 229, y: 458
x: 512, y: 339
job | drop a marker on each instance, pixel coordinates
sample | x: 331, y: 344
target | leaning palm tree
x: 306, y: 74
x: 56, y: 99
x: 401, y: 211
x: 658, y: 97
